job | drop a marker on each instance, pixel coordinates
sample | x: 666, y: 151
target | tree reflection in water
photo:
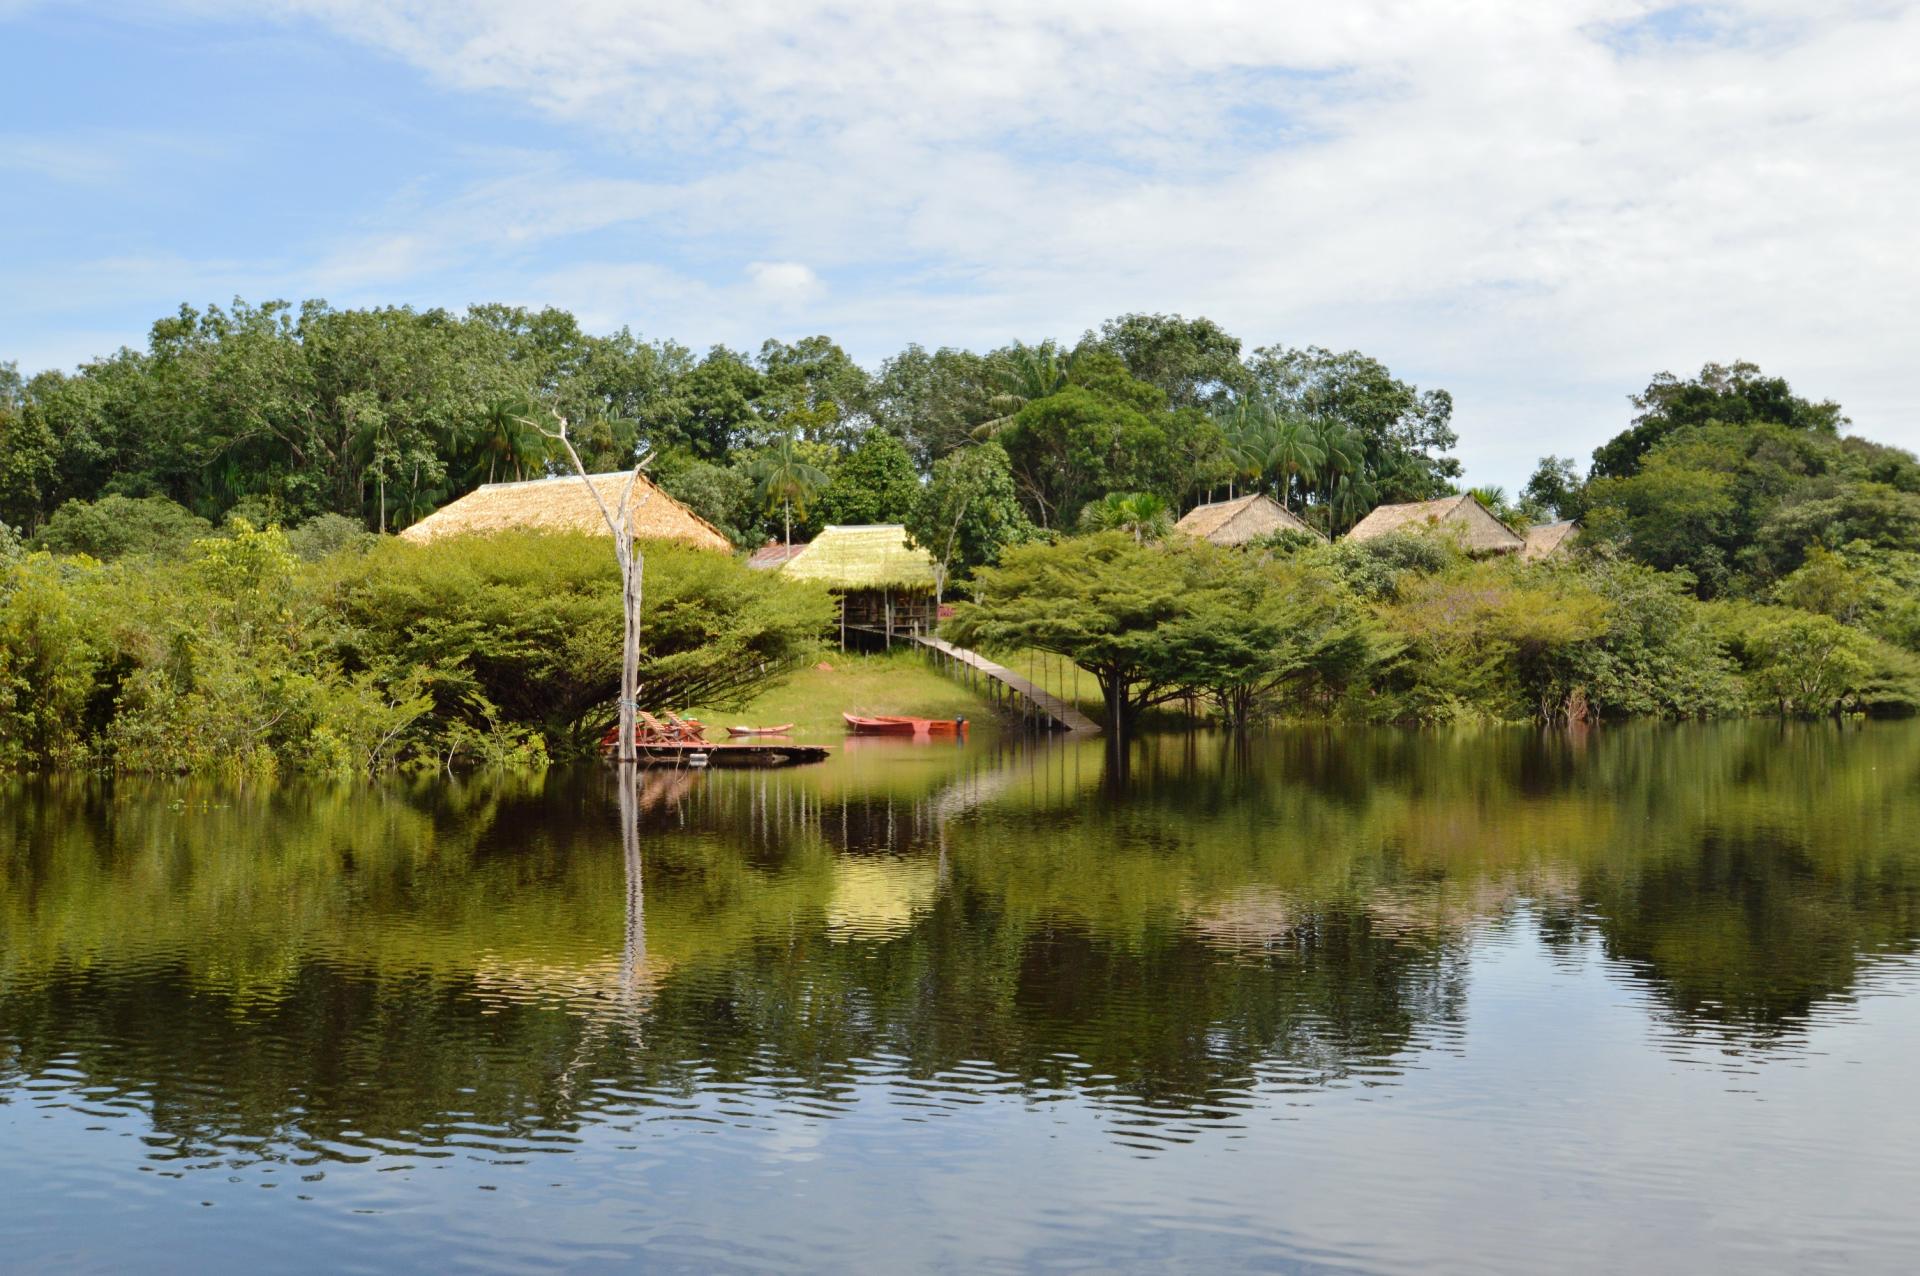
x: 310, y: 972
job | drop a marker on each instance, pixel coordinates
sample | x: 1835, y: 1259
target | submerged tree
x: 633, y: 569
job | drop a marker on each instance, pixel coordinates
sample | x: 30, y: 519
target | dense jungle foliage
x: 235, y: 657
x: 194, y: 576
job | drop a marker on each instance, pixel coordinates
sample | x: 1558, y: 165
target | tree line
x: 1739, y: 553
x: 382, y: 415
x: 200, y: 505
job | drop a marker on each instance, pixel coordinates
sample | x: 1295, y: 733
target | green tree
x: 723, y: 495
x: 114, y: 526
x: 786, y: 480
x: 1554, y: 490
x: 1194, y: 362
x: 1102, y: 432
x: 967, y: 513
x: 50, y: 661
x: 813, y: 389
x: 708, y: 410
x: 507, y: 440
x: 1805, y: 665
x: 1405, y: 433
x: 531, y: 624
x: 1020, y: 375
x: 933, y: 400
x: 1141, y: 515
x: 875, y: 483
x: 1113, y: 606
x: 1736, y: 394
x: 29, y: 453
x: 1295, y: 455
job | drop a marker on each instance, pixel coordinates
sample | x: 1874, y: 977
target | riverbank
x: 813, y: 698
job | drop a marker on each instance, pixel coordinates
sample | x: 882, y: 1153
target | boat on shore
x: 903, y: 726
x: 782, y: 729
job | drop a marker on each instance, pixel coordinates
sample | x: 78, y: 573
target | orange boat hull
x: 905, y: 726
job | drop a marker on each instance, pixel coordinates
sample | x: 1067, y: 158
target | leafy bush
x: 526, y: 626
x: 116, y: 526
x: 49, y: 660
x: 325, y: 534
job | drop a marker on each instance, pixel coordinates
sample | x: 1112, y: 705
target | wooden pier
x: 1045, y: 710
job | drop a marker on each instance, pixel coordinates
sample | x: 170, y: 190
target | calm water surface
x: 1638, y: 999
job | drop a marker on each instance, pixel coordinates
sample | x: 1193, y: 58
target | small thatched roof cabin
x: 1238, y: 521
x: 884, y: 584
x: 1544, y: 540
x: 564, y: 505
x: 1462, y: 516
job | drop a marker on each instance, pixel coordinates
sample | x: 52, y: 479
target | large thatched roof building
x: 1462, y: 516
x: 564, y: 505
x: 1544, y: 540
x: 884, y: 583
x: 1240, y: 520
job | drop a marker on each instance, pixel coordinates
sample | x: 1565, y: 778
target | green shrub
x: 529, y: 623
x: 117, y: 526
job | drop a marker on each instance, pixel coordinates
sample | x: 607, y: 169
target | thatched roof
x: 1547, y: 539
x: 870, y: 557
x: 1463, y: 516
x: 768, y: 557
x: 564, y: 505
x: 1240, y: 520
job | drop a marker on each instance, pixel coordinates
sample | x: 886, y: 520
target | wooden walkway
x: 1049, y: 710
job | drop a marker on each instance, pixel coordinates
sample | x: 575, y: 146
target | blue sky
x: 1535, y: 207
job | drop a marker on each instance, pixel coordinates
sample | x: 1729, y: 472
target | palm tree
x: 786, y: 479
x: 1142, y: 515
x: 1025, y: 374
x: 509, y: 440
x: 1247, y: 424
x: 1295, y: 453
x: 1349, y: 500
x: 1343, y: 455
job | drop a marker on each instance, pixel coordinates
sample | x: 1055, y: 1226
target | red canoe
x: 905, y: 726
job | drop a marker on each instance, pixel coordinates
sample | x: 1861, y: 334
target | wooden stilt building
x: 885, y: 585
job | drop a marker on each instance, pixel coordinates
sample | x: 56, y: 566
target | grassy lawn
x: 813, y: 699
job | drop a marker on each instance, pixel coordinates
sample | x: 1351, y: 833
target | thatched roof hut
x: 875, y: 556
x: 1238, y: 521
x: 1544, y: 540
x: 564, y: 505
x: 1461, y: 516
x: 884, y: 584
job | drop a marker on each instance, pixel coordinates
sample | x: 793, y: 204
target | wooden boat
x: 886, y: 725
x: 782, y: 729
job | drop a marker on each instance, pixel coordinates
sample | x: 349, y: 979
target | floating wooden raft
x: 729, y: 753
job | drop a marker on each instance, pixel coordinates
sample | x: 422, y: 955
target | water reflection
x: 305, y: 978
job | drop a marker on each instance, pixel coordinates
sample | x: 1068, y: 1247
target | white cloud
x: 1536, y: 205
x: 783, y: 281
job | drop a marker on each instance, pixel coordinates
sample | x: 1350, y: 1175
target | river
x: 1641, y: 998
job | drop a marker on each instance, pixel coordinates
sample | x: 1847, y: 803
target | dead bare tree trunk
x: 633, y: 568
